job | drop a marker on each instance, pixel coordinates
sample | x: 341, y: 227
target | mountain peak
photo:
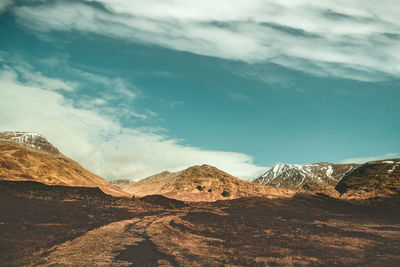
x: 200, y: 183
x: 29, y: 156
x: 29, y: 140
x: 203, y: 171
x: 318, y: 176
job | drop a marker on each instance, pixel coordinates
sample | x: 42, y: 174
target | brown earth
x: 44, y: 225
x: 38, y: 160
x: 372, y: 179
x: 34, y: 217
x: 201, y: 183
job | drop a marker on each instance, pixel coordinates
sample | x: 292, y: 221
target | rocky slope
x: 315, y: 177
x: 373, y: 179
x: 30, y: 157
x: 200, y: 183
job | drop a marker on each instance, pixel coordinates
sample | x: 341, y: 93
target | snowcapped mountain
x: 31, y: 157
x: 311, y: 177
x: 29, y: 140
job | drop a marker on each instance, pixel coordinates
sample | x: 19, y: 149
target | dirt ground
x: 66, y: 226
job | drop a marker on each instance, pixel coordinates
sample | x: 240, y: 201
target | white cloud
x: 362, y: 160
x: 27, y: 74
x: 117, y: 84
x: 350, y: 39
x: 99, y: 142
x: 109, y: 91
x: 4, y: 4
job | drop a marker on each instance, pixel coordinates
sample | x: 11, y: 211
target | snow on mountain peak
x: 30, y: 140
x: 296, y: 176
x: 329, y: 171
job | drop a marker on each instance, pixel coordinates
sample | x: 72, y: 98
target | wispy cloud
x: 113, y: 97
x: 98, y: 141
x: 4, y: 4
x: 27, y: 74
x: 362, y: 160
x: 238, y: 96
x: 348, y: 39
x: 176, y: 103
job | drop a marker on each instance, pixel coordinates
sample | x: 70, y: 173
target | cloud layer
x: 347, y: 39
x: 32, y: 102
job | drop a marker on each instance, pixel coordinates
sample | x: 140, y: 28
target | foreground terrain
x: 75, y: 226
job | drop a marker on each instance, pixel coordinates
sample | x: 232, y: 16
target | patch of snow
x: 24, y: 138
x: 388, y: 161
x: 278, y: 169
x: 329, y: 171
x: 346, y: 172
x: 302, y: 180
x: 391, y: 170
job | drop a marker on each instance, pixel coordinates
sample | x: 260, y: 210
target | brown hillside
x: 373, y: 179
x: 30, y: 157
x: 201, y: 183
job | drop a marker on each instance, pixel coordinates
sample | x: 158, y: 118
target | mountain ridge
x: 28, y: 156
x: 379, y: 178
x: 29, y: 140
x: 314, y: 177
x: 200, y: 183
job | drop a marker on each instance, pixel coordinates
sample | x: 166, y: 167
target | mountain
x: 118, y: 182
x: 31, y: 141
x: 200, y: 183
x: 31, y: 157
x: 379, y: 178
x: 315, y: 177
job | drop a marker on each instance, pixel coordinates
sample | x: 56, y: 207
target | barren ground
x: 67, y: 226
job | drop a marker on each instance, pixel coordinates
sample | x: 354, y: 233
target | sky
x: 130, y: 88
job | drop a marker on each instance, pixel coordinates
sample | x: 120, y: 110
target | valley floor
x: 66, y: 226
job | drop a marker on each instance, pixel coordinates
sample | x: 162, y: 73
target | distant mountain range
x: 31, y: 157
x: 201, y: 183
x: 375, y: 178
x: 315, y: 177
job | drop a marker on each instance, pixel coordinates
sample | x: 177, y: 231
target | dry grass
x: 19, y: 163
x: 67, y: 226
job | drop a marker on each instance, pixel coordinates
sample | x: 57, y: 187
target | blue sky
x: 131, y: 88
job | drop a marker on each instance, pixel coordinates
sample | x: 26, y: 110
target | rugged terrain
x: 30, y: 157
x: 44, y: 225
x: 319, y: 177
x: 53, y: 213
x: 374, y: 178
x: 201, y: 183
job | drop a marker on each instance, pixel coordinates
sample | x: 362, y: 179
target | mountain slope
x: 375, y: 178
x: 200, y: 183
x: 30, y: 157
x: 315, y: 177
